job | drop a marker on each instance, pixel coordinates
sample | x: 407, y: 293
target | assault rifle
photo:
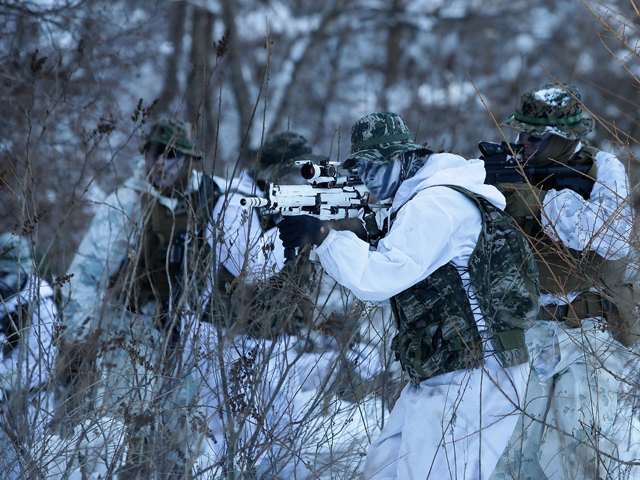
x: 326, y: 197
x: 502, y: 167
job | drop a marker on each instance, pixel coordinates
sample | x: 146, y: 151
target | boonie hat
x: 379, y: 137
x: 279, y: 153
x: 174, y: 133
x: 285, y: 147
x: 551, y: 108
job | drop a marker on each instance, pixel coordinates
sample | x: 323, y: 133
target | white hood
x: 449, y: 169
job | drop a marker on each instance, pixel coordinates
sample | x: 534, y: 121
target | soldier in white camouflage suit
x: 461, y: 282
x: 129, y: 299
x: 577, y: 347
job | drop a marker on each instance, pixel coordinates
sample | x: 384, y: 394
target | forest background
x: 79, y: 80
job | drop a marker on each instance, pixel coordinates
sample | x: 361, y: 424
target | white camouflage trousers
x: 568, y: 430
x: 452, y: 426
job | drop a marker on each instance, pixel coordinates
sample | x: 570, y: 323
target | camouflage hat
x: 174, y: 133
x: 551, y: 108
x: 285, y: 147
x: 378, y: 138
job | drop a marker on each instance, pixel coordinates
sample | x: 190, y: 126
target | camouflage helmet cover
x: 551, y: 108
x: 174, y: 133
x: 285, y: 147
x: 379, y: 137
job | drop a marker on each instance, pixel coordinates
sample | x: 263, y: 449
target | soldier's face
x: 533, y: 145
x: 164, y: 166
x: 381, y: 180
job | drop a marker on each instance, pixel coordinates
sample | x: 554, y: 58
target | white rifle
x: 324, y: 197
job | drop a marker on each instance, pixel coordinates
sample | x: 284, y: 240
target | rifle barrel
x: 252, y: 202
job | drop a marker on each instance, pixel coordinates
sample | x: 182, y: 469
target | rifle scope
x: 310, y: 171
x: 489, y: 149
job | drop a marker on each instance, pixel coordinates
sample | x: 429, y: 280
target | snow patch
x: 64, y: 39
x: 138, y: 15
x: 586, y: 63
x: 399, y: 98
x: 280, y: 20
x: 166, y: 48
x: 455, y: 9
x: 549, y: 97
x: 452, y: 95
x: 45, y: 4
x: 424, y: 6
x: 512, y: 68
x: 525, y: 43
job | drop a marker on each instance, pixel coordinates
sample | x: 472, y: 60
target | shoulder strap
x: 472, y: 196
x: 207, y: 197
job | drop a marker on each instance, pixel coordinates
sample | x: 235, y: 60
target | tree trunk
x: 234, y: 65
x: 198, y: 96
x: 197, y: 65
x: 176, y: 37
x: 394, y: 53
x: 284, y: 109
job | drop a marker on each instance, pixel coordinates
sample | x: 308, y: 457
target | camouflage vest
x: 437, y: 329
x: 158, y: 269
x: 565, y: 270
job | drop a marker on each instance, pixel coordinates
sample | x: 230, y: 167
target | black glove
x: 300, y: 230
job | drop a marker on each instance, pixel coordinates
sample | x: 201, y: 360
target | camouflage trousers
x: 568, y: 429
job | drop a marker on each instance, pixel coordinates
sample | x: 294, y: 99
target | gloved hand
x: 523, y: 200
x: 299, y: 230
x: 351, y: 224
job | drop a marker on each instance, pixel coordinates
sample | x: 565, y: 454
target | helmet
x: 551, y: 108
x: 379, y: 137
x: 174, y: 133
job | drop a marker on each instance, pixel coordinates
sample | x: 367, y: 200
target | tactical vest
x: 158, y: 269
x: 437, y: 328
x: 565, y: 270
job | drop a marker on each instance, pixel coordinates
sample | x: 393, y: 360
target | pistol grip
x: 289, y: 255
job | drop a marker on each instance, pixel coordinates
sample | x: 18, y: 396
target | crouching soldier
x: 461, y: 282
